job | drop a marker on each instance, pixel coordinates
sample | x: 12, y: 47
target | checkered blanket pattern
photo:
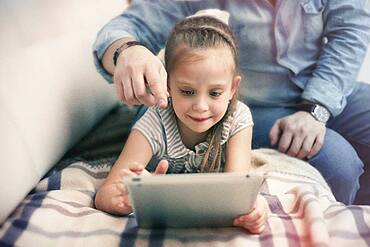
x: 303, y: 212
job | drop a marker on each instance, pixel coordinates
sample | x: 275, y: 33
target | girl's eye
x: 215, y: 94
x: 187, y: 92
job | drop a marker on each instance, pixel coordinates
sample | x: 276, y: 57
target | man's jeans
x: 346, y: 146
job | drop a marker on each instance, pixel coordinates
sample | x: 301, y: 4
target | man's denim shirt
x: 299, y: 49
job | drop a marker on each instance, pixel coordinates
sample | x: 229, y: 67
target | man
x: 300, y: 59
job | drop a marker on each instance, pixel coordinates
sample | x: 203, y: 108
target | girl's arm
x: 137, y: 151
x: 112, y: 196
x: 238, y: 159
x: 238, y: 151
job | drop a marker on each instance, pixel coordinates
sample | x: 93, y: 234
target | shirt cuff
x: 326, y: 94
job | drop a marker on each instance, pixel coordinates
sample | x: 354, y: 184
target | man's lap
x: 355, y: 127
x: 349, y: 129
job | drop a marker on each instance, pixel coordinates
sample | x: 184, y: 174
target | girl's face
x: 201, y: 89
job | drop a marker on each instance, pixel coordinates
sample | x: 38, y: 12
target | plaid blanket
x: 303, y: 212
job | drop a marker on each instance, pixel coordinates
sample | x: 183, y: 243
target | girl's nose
x: 200, y: 105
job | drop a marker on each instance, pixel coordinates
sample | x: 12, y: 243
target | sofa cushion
x: 50, y: 92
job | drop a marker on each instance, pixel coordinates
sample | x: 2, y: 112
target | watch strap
x: 308, y: 107
x: 123, y: 47
x: 319, y: 112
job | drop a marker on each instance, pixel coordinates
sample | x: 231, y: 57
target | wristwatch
x: 319, y: 112
x: 124, y: 46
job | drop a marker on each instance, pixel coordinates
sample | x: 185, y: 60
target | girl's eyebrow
x: 183, y: 82
x: 215, y: 85
x: 219, y: 85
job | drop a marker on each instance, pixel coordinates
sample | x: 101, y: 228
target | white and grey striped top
x: 160, y: 128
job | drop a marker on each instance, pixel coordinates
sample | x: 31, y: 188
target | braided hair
x: 203, y: 32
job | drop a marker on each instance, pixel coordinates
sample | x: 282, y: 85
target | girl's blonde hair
x: 201, y: 33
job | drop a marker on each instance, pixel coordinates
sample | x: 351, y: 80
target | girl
x: 204, y: 128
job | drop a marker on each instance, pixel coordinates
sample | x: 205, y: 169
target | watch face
x: 321, y: 114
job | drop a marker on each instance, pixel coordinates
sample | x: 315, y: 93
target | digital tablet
x: 192, y: 200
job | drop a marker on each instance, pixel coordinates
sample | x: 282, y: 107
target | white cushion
x: 50, y: 92
x: 364, y: 74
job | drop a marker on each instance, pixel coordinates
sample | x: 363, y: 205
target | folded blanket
x: 303, y: 212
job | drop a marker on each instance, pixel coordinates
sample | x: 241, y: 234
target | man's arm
x: 139, y: 76
x: 146, y: 21
x: 347, y: 29
x: 107, y: 60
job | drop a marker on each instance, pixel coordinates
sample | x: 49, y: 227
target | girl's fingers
x: 136, y: 167
x: 252, y: 227
x: 257, y: 230
x: 133, y: 170
x: 253, y: 222
x: 238, y: 222
x: 121, y: 187
x: 161, y: 168
x: 120, y: 205
x: 255, y: 219
x: 126, y: 173
x: 252, y: 216
x: 126, y: 201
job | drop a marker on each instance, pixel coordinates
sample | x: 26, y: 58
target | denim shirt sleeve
x: 347, y: 30
x: 148, y: 21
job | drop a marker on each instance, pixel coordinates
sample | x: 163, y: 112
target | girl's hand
x: 113, y: 197
x: 255, y: 221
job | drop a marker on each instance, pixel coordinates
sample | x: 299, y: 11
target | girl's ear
x: 235, y: 85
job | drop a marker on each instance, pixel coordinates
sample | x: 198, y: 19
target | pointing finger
x: 156, y: 85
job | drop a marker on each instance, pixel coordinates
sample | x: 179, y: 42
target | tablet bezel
x: 192, y: 200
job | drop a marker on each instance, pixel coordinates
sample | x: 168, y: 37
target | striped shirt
x: 159, y: 126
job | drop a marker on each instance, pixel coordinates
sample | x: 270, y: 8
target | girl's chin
x: 199, y: 129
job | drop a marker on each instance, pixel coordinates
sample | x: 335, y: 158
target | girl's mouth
x: 199, y: 119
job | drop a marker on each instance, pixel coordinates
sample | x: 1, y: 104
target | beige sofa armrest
x: 50, y: 92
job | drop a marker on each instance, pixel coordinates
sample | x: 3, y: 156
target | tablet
x: 192, y: 200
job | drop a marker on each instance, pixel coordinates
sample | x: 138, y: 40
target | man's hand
x: 298, y: 135
x: 140, y: 78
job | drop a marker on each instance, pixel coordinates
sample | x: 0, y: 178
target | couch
x: 50, y: 92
